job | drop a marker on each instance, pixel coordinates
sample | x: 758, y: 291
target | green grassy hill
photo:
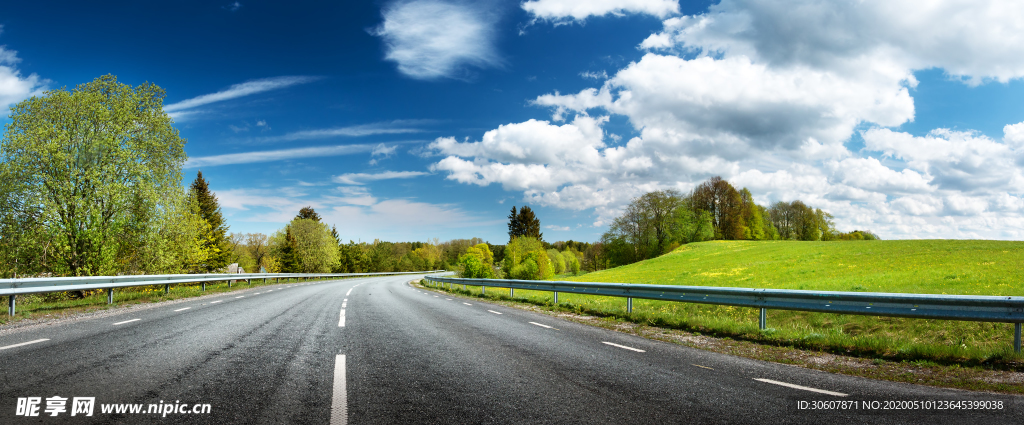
x: 966, y: 267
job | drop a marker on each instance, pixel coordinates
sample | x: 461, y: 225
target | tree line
x: 660, y: 221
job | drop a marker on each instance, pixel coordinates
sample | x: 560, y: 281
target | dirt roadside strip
x: 921, y: 373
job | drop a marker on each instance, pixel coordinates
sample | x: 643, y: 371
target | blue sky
x: 408, y: 120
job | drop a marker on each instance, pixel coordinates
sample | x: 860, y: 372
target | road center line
x: 543, y: 326
x: 623, y: 346
x: 467, y: 304
x: 339, y: 403
x: 801, y: 387
x: 350, y: 291
x: 183, y: 309
x: 341, y: 322
x: 492, y: 311
x: 243, y: 296
x: 704, y: 367
x: 126, y: 321
x: 215, y: 302
x: 24, y: 343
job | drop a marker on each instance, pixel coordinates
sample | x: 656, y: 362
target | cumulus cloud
x: 558, y: 10
x: 431, y: 39
x: 14, y: 86
x: 769, y: 95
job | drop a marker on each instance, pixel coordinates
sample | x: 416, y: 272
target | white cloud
x: 557, y: 10
x: 1013, y: 135
x: 358, y: 214
x: 431, y: 39
x: 392, y: 127
x: 768, y: 94
x: 275, y: 155
x: 594, y: 75
x: 363, y: 178
x: 238, y: 90
x: 15, y: 87
x: 557, y: 228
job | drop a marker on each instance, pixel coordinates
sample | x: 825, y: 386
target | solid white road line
x: 126, y: 321
x: 183, y: 309
x: 467, y: 304
x: 24, y: 343
x: 341, y: 322
x: 339, y: 403
x: 801, y: 387
x: 623, y: 346
x: 492, y: 311
x: 215, y: 302
x: 543, y: 326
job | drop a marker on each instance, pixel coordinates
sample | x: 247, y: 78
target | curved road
x: 377, y: 350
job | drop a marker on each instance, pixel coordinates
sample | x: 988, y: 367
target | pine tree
x: 289, y: 261
x: 530, y: 223
x: 215, y: 241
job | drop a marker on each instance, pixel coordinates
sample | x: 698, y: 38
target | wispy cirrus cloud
x: 276, y: 155
x: 179, y: 109
x: 363, y: 178
x: 390, y: 127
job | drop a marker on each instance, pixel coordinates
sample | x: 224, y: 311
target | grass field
x: 931, y: 266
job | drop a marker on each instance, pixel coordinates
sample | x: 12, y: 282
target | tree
x: 308, y: 213
x: 724, y: 203
x: 525, y: 223
x: 315, y: 250
x: 89, y: 172
x: 215, y: 242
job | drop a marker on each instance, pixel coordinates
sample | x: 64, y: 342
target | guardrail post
x: 110, y: 296
x: 10, y: 305
x: 556, y: 297
x: 762, y: 320
x: 629, y: 305
x: 1017, y: 334
x: 229, y: 283
x: 483, y: 290
x: 511, y: 292
x: 167, y: 289
x: 204, y: 286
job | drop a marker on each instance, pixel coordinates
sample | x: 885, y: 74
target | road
x: 377, y: 350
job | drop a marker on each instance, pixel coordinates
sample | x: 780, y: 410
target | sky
x: 420, y: 119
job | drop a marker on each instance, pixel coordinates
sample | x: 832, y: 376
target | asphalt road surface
x: 377, y: 350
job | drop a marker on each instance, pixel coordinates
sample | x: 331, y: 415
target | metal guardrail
x: 919, y: 306
x: 14, y: 287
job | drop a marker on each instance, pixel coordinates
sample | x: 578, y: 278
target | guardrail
x: 14, y: 287
x: 918, y: 306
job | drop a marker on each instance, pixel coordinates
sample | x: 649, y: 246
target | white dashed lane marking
x: 183, y: 309
x: 126, y: 321
x: 492, y: 311
x: 23, y: 343
x: 623, y: 347
x: 543, y: 326
x: 467, y: 304
x: 801, y: 387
